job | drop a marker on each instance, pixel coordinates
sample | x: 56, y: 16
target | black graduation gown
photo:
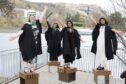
x: 27, y: 45
x: 53, y: 38
x: 71, y: 45
x: 110, y: 41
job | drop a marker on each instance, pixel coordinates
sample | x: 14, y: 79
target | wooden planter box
x: 53, y: 63
x: 125, y: 80
x: 67, y: 74
x: 105, y: 73
x: 29, y: 78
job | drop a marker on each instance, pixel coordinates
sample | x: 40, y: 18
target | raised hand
x: 43, y: 14
x: 92, y: 18
x: 12, y: 38
x: 16, y: 35
x: 45, y: 7
x: 118, y: 31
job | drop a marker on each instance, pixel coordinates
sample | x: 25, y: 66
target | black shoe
x: 100, y: 68
x: 123, y: 75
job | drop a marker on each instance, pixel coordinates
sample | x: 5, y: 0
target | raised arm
x: 61, y: 23
x: 16, y: 35
x: 118, y: 31
x: 81, y: 39
x: 43, y: 13
x: 48, y: 24
x: 91, y: 17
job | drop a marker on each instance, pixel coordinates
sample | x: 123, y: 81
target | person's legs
x: 100, y: 54
x: 51, y: 57
x: 97, y: 61
x: 101, y: 62
x: 67, y: 61
x: 55, y: 56
x: 34, y: 62
x: 100, y: 59
x: 31, y: 66
x: 26, y: 66
x: 105, y: 62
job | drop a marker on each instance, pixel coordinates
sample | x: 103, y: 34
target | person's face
x: 32, y: 18
x: 69, y: 24
x: 102, y: 21
x: 55, y: 25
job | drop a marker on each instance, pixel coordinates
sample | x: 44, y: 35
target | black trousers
x: 68, y: 58
x: 53, y: 57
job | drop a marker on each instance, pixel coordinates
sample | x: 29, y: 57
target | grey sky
x: 102, y: 3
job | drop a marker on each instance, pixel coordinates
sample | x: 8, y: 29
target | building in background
x: 26, y: 12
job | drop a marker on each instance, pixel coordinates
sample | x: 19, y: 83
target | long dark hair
x: 70, y: 22
x: 106, y: 22
x: 57, y: 26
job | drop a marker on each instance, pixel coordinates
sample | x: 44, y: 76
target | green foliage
x: 6, y: 7
x: 78, y: 20
x: 68, y: 17
x: 7, y: 22
x: 76, y: 17
x: 117, y: 21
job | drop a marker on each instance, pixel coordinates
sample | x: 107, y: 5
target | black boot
x: 123, y: 75
x: 100, y: 67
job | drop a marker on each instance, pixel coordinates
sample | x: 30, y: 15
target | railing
x: 11, y: 63
x: 87, y: 62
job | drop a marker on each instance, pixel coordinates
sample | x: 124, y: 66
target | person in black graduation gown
x: 71, y: 43
x: 53, y: 38
x: 30, y: 40
x: 110, y: 40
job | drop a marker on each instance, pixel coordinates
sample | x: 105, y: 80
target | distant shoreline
x: 8, y: 30
x: 14, y: 29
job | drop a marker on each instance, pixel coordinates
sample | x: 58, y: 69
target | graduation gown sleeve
x: 114, y: 42
x: 77, y: 44
x: 47, y: 33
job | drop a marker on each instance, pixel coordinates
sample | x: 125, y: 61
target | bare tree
x: 6, y: 7
x: 119, y: 5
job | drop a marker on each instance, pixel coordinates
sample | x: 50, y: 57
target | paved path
x: 82, y: 78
